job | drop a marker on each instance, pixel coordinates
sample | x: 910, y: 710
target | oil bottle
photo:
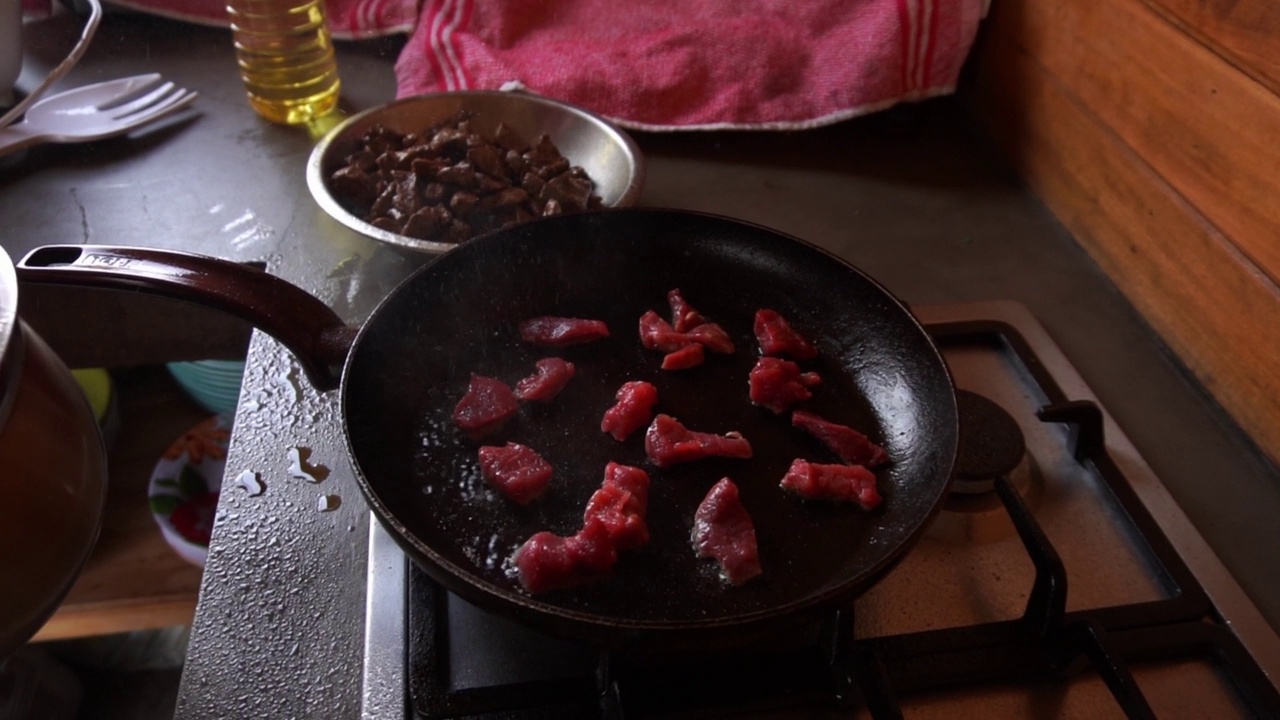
x: 286, y: 59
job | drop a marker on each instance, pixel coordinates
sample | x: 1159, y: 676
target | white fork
x: 94, y: 112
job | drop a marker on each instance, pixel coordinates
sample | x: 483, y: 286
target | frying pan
x: 411, y: 361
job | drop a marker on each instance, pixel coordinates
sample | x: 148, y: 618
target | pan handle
x: 306, y: 326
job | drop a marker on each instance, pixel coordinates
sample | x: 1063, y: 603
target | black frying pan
x: 411, y: 361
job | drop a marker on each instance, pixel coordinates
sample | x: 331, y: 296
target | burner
x: 991, y: 444
x: 974, y: 517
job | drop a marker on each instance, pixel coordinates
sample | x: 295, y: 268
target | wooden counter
x: 134, y: 580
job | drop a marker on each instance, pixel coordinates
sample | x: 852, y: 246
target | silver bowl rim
x: 320, y: 191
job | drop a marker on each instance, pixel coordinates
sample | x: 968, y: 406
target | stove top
x: 1060, y: 579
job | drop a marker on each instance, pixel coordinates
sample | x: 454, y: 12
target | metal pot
x: 53, y: 475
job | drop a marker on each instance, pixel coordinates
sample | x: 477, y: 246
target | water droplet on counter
x: 251, y: 483
x: 288, y: 381
x: 328, y: 503
x: 299, y: 467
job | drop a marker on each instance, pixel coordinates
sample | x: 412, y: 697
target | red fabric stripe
x: 463, y: 23
x: 430, y: 14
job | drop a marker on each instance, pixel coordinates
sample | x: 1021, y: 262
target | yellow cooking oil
x: 286, y: 59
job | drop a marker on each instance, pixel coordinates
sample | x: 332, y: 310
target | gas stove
x: 1060, y: 579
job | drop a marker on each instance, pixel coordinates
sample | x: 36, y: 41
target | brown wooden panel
x: 1211, y: 304
x: 1207, y: 129
x: 1245, y: 32
x: 81, y: 620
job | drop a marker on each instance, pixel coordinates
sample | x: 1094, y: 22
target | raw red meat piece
x: 488, y: 404
x: 684, y: 358
x: 620, y: 504
x: 683, y: 317
x: 517, y: 471
x: 854, y: 483
x: 668, y: 442
x: 722, y: 529
x: 632, y: 411
x: 850, y: 445
x: 778, y: 384
x: 550, y: 378
x: 776, y: 337
x: 713, y: 337
x: 657, y: 334
x: 562, y: 331
x: 547, y: 562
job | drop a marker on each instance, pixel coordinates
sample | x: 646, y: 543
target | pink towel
x: 655, y: 65
x: 697, y: 64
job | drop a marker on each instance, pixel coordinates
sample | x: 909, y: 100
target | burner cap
x: 991, y: 443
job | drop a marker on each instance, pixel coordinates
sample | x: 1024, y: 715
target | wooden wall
x: 1152, y: 130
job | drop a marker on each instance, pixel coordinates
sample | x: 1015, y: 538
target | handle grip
x: 316, y: 336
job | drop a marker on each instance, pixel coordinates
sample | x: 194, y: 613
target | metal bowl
x: 608, y: 155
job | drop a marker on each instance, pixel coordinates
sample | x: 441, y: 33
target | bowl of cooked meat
x: 433, y: 171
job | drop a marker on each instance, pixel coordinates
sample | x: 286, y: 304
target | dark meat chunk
x: 486, y: 159
x: 562, y: 331
x: 852, y: 483
x: 450, y: 142
x: 850, y: 445
x: 551, y: 376
x: 620, y: 504
x: 426, y: 222
x: 776, y: 337
x: 509, y: 140
x: 667, y: 442
x: 569, y: 189
x: 547, y: 562
x: 405, y: 200
x: 722, y: 529
x: 632, y: 411
x: 354, y: 182
x: 683, y: 317
x: 543, y: 152
x: 461, y: 175
x: 684, y: 358
x: 487, y: 405
x: 388, y: 178
x: 778, y: 384
x: 658, y: 334
x: 516, y: 471
x: 463, y: 203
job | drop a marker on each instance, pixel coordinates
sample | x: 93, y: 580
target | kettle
x: 53, y: 474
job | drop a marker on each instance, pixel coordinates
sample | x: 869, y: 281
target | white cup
x: 10, y: 48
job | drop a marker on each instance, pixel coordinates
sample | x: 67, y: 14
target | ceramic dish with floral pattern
x: 183, y: 492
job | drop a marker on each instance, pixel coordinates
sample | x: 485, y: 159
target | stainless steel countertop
x: 908, y: 195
